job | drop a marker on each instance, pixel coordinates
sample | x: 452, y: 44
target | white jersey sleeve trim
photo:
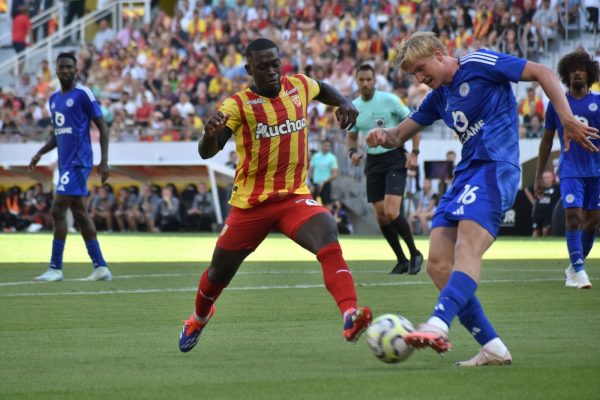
x: 87, y: 91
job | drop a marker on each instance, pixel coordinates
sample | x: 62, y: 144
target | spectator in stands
x: 36, y: 208
x: 344, y: 225
x: 102, y: 208
x: 201, y: 214
x: 21, y: 34
x: 143, y: 113
x: 545, y: 25
x: 233, y: 160
x: 425, y: 209
x: 531, y: 105
x: 145, y: 212
x: 11, y: 217
x: 9, y: 129
x: 128, y: 201
x: 323, y: 171
x: 535, y: 128
x: 128, y: 34
x: 24, y: 88
x: 168, y: 216
x: 184, y: 106
x: 103, y: 35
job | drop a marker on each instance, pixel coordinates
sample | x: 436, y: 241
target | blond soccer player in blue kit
x: 473, y: 96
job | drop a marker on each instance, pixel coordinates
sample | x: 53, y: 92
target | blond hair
x: 416, y: 46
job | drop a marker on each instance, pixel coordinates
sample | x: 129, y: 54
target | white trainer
x: 571, y: 280
x: 99, y: 274
x: 486, y: 357
x: 583, y: 282
x: 52, y: 275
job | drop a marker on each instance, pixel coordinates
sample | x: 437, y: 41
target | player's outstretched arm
x: 543, y: 155
x: 393, y: 137
x: 104, y: 137
x: 50, y: 144
x: 216, y: 133
x: 573, y: 128
x: 346, y: 113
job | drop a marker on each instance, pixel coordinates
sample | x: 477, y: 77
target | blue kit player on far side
x: 578, y: 170
x: 72, y: 108
x: 473, y: 96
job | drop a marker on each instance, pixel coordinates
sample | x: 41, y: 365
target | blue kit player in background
x: 386, y: 169
x: 578, y: 169
x: 72, y: 109
x: 473, y: 96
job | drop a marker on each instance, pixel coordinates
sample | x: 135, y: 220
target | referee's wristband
x: 352, y: 151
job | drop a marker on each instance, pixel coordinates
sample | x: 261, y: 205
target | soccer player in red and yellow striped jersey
x: 269, y: 123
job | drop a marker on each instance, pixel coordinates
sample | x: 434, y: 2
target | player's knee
x: 573, y: 222
x: 58, y: 212
x: 317, y: 232
x: 382, y: 220
x: 391, y: 215
x: 438, y: 270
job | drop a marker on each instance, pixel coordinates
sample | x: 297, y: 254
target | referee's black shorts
x: 386, y: 174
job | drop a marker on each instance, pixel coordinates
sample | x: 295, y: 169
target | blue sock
x: 454, y: 296
x: 58, y: 248
x: 93, y: 248
x: 587, y: 241
x: 575, y: 249
x: 474, y: 319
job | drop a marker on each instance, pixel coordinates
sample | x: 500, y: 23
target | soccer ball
x: 385, y: 337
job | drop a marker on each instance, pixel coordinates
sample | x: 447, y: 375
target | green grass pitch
x: 277, y: 332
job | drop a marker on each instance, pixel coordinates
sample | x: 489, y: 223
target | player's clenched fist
x: 346, y: 115
x: 215, y: 124
x: 376, y: 137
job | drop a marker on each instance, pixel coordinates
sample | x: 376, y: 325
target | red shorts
x: 246, y: 228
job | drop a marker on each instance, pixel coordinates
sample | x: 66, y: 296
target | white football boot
x: 487, y: 357
x: 571, y: 280
x: 583, y: 282
x: 99, y: 274
x: 52, y: 275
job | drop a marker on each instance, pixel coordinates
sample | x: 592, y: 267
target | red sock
x: 337, y: 276
x: 207, y: 294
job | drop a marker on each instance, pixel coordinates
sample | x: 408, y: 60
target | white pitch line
x: 196, y: 274
x: 266, y: 287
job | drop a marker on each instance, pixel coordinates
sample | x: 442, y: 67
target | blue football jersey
x: 577, y: 162
x: 71, y: 115
x: 479, y: 105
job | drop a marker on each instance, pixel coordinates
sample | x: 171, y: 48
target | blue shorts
x: 481, y: 193
x: 73, y: 181
x: 581, y: 192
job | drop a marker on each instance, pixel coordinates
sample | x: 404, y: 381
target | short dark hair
x: 66, y: 55
x: 577, y: 59
x: 365, y: 67
x: 259, y: 44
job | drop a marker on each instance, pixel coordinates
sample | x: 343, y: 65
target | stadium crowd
x: 159, y: 81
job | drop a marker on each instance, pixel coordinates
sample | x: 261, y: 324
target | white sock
x: 438, y: 323
x: 496, y: 346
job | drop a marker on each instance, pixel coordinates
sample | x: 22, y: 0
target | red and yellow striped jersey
x: 271, y: 137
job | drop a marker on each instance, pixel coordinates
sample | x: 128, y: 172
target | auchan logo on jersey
x: 268, y: 131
